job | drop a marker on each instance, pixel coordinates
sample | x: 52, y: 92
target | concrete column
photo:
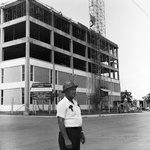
x: 71, y: 51
x: 118, y: 67
x: 27, y: 62
x: 52, y: 56
x: 53, y: 62
x: 1, y: 42
x: 1, y: 34
x: 86, y: 53
x: 87, y: 66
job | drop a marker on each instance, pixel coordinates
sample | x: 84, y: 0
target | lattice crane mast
x: 97, y: 23
x: 97, y: 16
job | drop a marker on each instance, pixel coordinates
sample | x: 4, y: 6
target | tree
x: 126, y: 95
x: 126, y: 100
x: 97, y: 98
x: 134, y: 103
x: 147, y: 98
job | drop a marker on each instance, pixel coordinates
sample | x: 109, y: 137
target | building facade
x: 39, y: 44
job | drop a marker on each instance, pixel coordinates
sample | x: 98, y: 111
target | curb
x: 84, y: 116
x: 109, y: 115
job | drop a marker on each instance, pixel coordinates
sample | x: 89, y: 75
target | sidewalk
x: 83, y: 115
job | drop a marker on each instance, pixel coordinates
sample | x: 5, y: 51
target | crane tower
x: 97, y: 24
x: 97, y: 16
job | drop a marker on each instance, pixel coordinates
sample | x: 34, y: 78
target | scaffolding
x: 98, y: 72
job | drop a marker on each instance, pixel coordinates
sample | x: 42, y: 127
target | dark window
x: 40, y: 53
x: 14, y: 12
x: 61, y: 24
x: 23, y: 73
x: 79, y: 64
x: 78, y: 33
x: 13, y: 52
x: 2, y: 94
x: 78, y: 49
x: 31, y: 73
x: 22, y: 95
x: 2, y: 76
x: 14, y: 32
x: 51, y: 76
x: 61, y: 42
x: 56, y: 77
x: 39, y: 33
x: 40, y: 13
x: 62, y: 59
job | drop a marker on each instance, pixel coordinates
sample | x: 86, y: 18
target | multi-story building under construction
x: 39, y: 44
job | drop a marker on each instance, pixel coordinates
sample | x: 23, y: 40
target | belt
x: 73, y: 127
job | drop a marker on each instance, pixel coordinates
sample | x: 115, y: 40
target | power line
x: 141, y: 9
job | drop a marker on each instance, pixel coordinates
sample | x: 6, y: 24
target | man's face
x: 71, y: 92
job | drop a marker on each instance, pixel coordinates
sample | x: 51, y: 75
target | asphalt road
x: 120, y: 132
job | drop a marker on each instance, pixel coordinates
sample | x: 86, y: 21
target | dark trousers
x: 74, y: 136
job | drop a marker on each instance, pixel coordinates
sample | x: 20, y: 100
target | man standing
x: 69, y: 119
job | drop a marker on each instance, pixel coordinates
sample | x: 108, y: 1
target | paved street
x: 121, y: 132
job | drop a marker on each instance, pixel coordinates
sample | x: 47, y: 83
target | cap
x: 67, y: 85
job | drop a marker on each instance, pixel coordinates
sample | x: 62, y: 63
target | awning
x: 105, y: 90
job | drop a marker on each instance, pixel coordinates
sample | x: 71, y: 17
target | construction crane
x: 97, y: 16
x: 97, y: 24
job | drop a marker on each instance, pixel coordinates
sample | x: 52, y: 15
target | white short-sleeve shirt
x: 71, y: 113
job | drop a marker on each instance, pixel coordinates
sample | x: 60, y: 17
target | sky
x: 127, y: 25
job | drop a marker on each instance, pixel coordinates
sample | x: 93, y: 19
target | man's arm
x: 82, y: 137
x: 64, y: 133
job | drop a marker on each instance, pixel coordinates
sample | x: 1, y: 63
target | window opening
x: 2, y: 96
x: 2, y: 75
x: 22, y: 95
x: 31, y: 73
x: 40, y: 13
x: 14, y: 12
